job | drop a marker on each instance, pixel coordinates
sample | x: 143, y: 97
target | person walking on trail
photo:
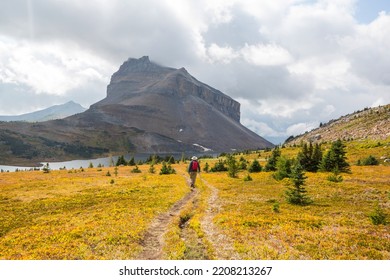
x: 193, y: 169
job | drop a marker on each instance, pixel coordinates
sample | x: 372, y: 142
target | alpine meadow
x: 249, y: 211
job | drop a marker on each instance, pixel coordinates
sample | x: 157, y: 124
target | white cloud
x: 266, y: 55
x: 221, y: 54
x: 290, y: 63
x: 50, y: 68
x: 261, y: 128
x: 299, y: 128
x: 284, y: 108
x: 326, y: 72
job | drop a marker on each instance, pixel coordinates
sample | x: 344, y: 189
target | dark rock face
x: 137, y: 76
x: 148, y: 109
x: 173, y: 103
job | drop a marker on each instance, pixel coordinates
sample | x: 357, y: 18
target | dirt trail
x: 153, y: 241
x: 222, y: 244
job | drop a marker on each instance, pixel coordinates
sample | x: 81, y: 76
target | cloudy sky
x: 290, y: 63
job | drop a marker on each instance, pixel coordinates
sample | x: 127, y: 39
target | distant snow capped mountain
x: 52, y: 113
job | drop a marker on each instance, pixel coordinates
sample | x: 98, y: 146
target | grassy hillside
x: 370, y: 123
x: 89, y: 215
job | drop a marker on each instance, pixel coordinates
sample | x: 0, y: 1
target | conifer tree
x: 131, y: 162
x: 271, y: 164
x: 255, y: 167
x: 121, y: 161
x: 310, y: 157
x: 167, y: 169
x: 232, y: 166
x: 297, y: 194
x: 283, y: 167
x: 316, y: 158
x: 335, y: 158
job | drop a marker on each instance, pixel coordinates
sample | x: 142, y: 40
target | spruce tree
x: 335, y: 158
x: 310, y: 157
x: 132, y: 162
x: 167, y: 169
x: 232, y: 166
x: 121, y: 161
x: 316, y: 158
x: 283, y: 167
x: 271, y: 164
x: 297, y: 194
x: 255, y: 167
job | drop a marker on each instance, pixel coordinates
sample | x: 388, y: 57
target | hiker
x: 193, y: 169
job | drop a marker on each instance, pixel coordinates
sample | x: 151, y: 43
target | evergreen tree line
x: 152, y: 159
x: 310, y: 158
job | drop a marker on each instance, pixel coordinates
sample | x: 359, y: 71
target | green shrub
x: 370, y: 160
x: 275, y: 207
x: 248, y: 178
x: 135, y: 170
x: 378, y: 217
x: 167, y: 169
x: 219, y: 166
x: 255, y: 167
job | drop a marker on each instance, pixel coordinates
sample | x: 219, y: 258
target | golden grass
x: 81, y: 215
x: 335, y: 226
x: 88, y: 215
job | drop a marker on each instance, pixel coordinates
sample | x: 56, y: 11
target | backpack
x: 194, y: 166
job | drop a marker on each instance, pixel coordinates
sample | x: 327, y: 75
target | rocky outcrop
x: 370, y: 123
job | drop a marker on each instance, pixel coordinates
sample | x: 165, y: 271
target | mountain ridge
x: 51, y: 113
x: 369, y: 123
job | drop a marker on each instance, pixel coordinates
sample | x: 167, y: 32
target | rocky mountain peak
x: 133, y: 66
x: 138, y: 80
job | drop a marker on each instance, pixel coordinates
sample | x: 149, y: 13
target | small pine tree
x: 304, y: 156
x: 232, y: 166
x: 121, y: 161
x: 370, y: 160
x: 271, y: 164
x: 316, y: 158
x: 297, y: 193
x: 243, y: 163
x: 219, y: 166
x: 167, y: 169
x: 131, y: 162
x: 283, y: 167
x: 335, y: 157
x: 335, y: 177
x: 310, y: 157
x: 255, y: 167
